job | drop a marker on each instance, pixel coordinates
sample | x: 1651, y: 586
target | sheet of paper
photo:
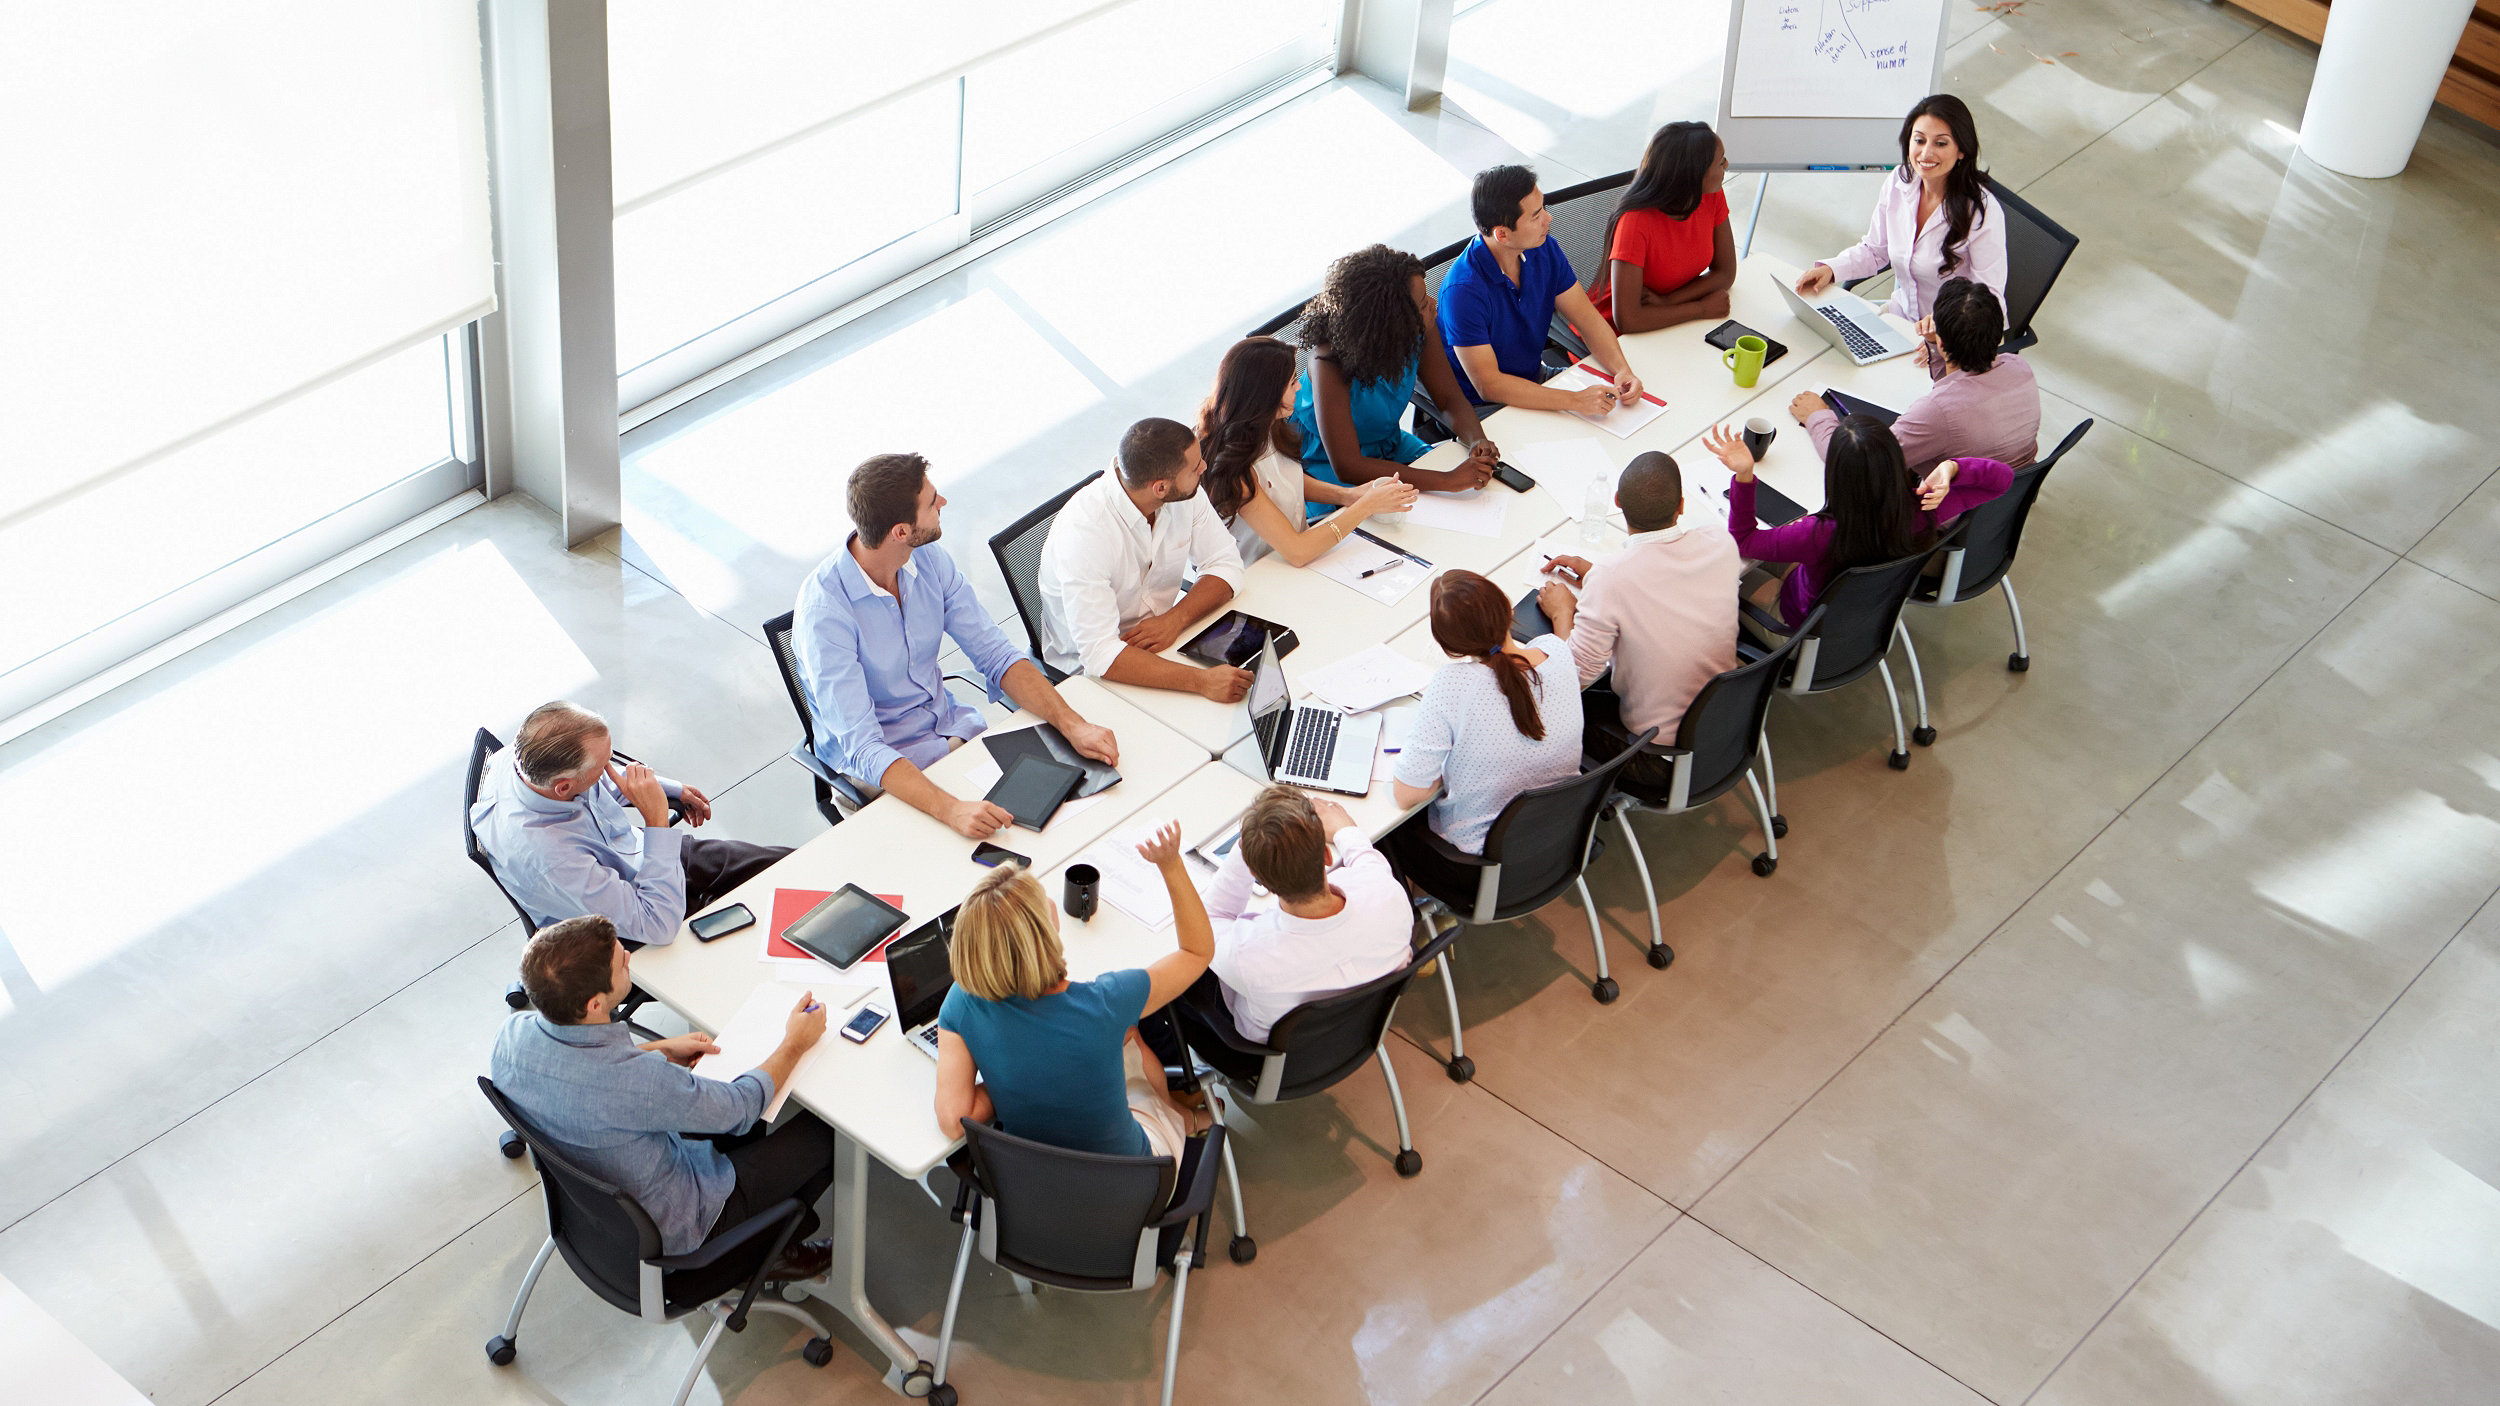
x: 1565, y: 468
x: 1624, y: 421
x: 756, y: 1030
x: 1478, y: 511
x: 1395, y: 723
x: 1368, y: 679
x: 1129, y: 883
x: 1394, y: 576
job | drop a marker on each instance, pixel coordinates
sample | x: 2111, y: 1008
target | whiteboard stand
x: 1761, y: 193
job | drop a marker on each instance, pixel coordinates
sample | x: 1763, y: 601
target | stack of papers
x: 1478, y: 511
x: 1366, y: 680
x: 1625, y: 420
x: 755, y: 1032
x: 1129, y: 883
x: 1393, y: 576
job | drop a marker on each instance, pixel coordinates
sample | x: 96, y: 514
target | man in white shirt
x: 1112, y: 570
x: 1332, y: 929
x: 1661, y: 613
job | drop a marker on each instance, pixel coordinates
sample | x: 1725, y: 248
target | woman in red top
x: 1671, y: 256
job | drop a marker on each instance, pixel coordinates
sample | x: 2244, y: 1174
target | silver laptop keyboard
x: 927, y: 1035
x: 1860, y: 344
x: 1314, y: 743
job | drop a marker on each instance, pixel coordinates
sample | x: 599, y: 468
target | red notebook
x: 790, y: 905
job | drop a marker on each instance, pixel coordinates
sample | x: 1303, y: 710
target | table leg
x: 845, y: 1286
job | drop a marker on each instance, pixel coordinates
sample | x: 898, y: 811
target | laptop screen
x: 1270, y: 704
x: 917, y: 962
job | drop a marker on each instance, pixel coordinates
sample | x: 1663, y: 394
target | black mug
x: 1759, y: 433
x: 1084, y: 885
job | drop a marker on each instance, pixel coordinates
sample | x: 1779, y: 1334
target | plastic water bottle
x: 1594, y: 506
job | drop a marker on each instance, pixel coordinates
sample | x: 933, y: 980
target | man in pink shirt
x: 1984, y: 403
x: 1661, y: 612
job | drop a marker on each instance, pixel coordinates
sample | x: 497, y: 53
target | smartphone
x: 1511, y: 478
x: 864, y: 1024
x: 992, y: 856
x: 721, y: 922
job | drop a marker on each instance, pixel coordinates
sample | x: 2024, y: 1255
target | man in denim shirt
x: 624, y: 1111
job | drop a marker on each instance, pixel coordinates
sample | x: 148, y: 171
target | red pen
x: 1608, y: 377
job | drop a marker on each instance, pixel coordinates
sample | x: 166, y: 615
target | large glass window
x: 778, y: 158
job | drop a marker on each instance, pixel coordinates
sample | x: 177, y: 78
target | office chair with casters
x: 1437, y: 265
x: 1309, y: 1050
x: 1542, y: 843
x: 1991, y: 534
x: 835, y: 795
x: 1581, y: 214
x: 1851, y: 634
x: 1077, y: 1220
x: 1716, y: 745
x: 614, y: 1249
x: 1018, y: 551
x: 2036, y: 251
x: 1283, y: 325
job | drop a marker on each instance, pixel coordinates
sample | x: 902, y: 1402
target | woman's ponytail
x: 1471, y: 618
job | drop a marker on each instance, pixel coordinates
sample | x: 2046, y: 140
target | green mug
x: 1745, y: 359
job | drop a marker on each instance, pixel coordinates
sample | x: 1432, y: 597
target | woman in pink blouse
x: 1934, y: 220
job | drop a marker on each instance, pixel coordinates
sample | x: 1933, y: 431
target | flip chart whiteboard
x: 1824, y: 83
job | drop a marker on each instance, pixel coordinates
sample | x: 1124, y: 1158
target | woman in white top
x: 1503, y: 719
x: 1933, y: 221
x: 1254, y: 478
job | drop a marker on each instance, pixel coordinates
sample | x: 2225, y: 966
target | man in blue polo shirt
x: 866, y: 635
x: 1501, y: 296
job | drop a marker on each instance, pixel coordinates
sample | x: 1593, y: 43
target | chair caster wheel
x: 501, y: 1350
x: 1462, y: 1069
x: 818, y: 1351
x: 1763, y: 864
x: 1243, y: 1249
x: 1779, y: 827
x: 1898, y: 761
x: 1661, y: 955
x: 510, y: 1145
x: 920, y: 1383
x: 943, y: 1395
x: 795, y: 1291
x: 517, y: 997
x: 2019, y: 663
x: 1409, y: 1162
x: 1923, y: 736
x: 1605, y: 991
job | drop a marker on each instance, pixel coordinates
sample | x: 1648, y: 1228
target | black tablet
x: 1847, y: 405
x: 1033, y: 789
x: 1529, y: 620
x: 1043, y: 740
x: 847, y: 926
x: 1235, y: 638
x: 1725, y: 334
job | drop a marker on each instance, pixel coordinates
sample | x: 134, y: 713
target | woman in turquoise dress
x: 1372, y: 334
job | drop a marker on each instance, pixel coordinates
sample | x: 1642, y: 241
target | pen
x: 1366, y: 535
x: 1375, y: 571
x: 1608, y: 376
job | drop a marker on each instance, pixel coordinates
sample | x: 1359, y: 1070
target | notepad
x: 1478, y: 511
x: 1392, y: 577
x: 1625, y: 420
x: 1369, y: 678
x: 757, y: 1029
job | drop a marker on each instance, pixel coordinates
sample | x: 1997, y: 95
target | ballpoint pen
x: 1389, y: 546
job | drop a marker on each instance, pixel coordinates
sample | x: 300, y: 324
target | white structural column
x: 1399, y: 44
x: 2378, y: 70
x: 550, y: 355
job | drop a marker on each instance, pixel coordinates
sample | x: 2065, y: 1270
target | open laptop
x: 1849, y: 322
x: 1316, y: 747
x: 916, y: 962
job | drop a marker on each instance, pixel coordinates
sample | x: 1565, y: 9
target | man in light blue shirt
x: 622, y: 1111
x: 866, y: 634
x: 571, y: 831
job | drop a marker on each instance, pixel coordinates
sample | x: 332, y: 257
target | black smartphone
x: 1511, y: 478
x: 864, y: 1024
x: 992, y: 856
x: 721, y: 922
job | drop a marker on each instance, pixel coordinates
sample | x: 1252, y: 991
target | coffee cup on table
x: 1746, y: 358
x: 1759, y: 432
x: 1084, y: 886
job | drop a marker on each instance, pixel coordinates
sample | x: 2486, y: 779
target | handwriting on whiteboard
x: 1834, y: 58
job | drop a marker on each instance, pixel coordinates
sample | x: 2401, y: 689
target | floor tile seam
x: 1576, y: 1309
x: 2254, y: 1152
x: 1558, y: 1134
x: 2443, y: 522
x: 1939, y: 1368
x: 2451, y: 580
x: 672, y: 588
x: 419, y: 1263
x: 309, y: 1046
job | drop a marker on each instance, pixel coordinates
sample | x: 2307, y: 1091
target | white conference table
x: 880, y: 1097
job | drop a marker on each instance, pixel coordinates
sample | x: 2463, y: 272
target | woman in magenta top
x: 1670, y: 256
x: 1873, y: 511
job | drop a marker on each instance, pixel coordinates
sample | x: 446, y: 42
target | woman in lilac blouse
x: 1934, y: 220
x: 1873, y: 511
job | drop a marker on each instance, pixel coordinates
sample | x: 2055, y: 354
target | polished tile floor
x: 2134, y: 1046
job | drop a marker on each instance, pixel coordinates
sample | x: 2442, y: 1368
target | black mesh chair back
x: 1283, y: 325
x: 1853, y: 625
x: 2036, y: 251
x: 1437, y: 264
x: 1076, y: 1220
x: 482, y: 749
x: 1720, y: 731
x: 777, y: 634
x: 1993, y: 532
x: 603, y: 1233
x: 1018, y: 551
x: 1581, y: 214
x: 1545, y: 837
